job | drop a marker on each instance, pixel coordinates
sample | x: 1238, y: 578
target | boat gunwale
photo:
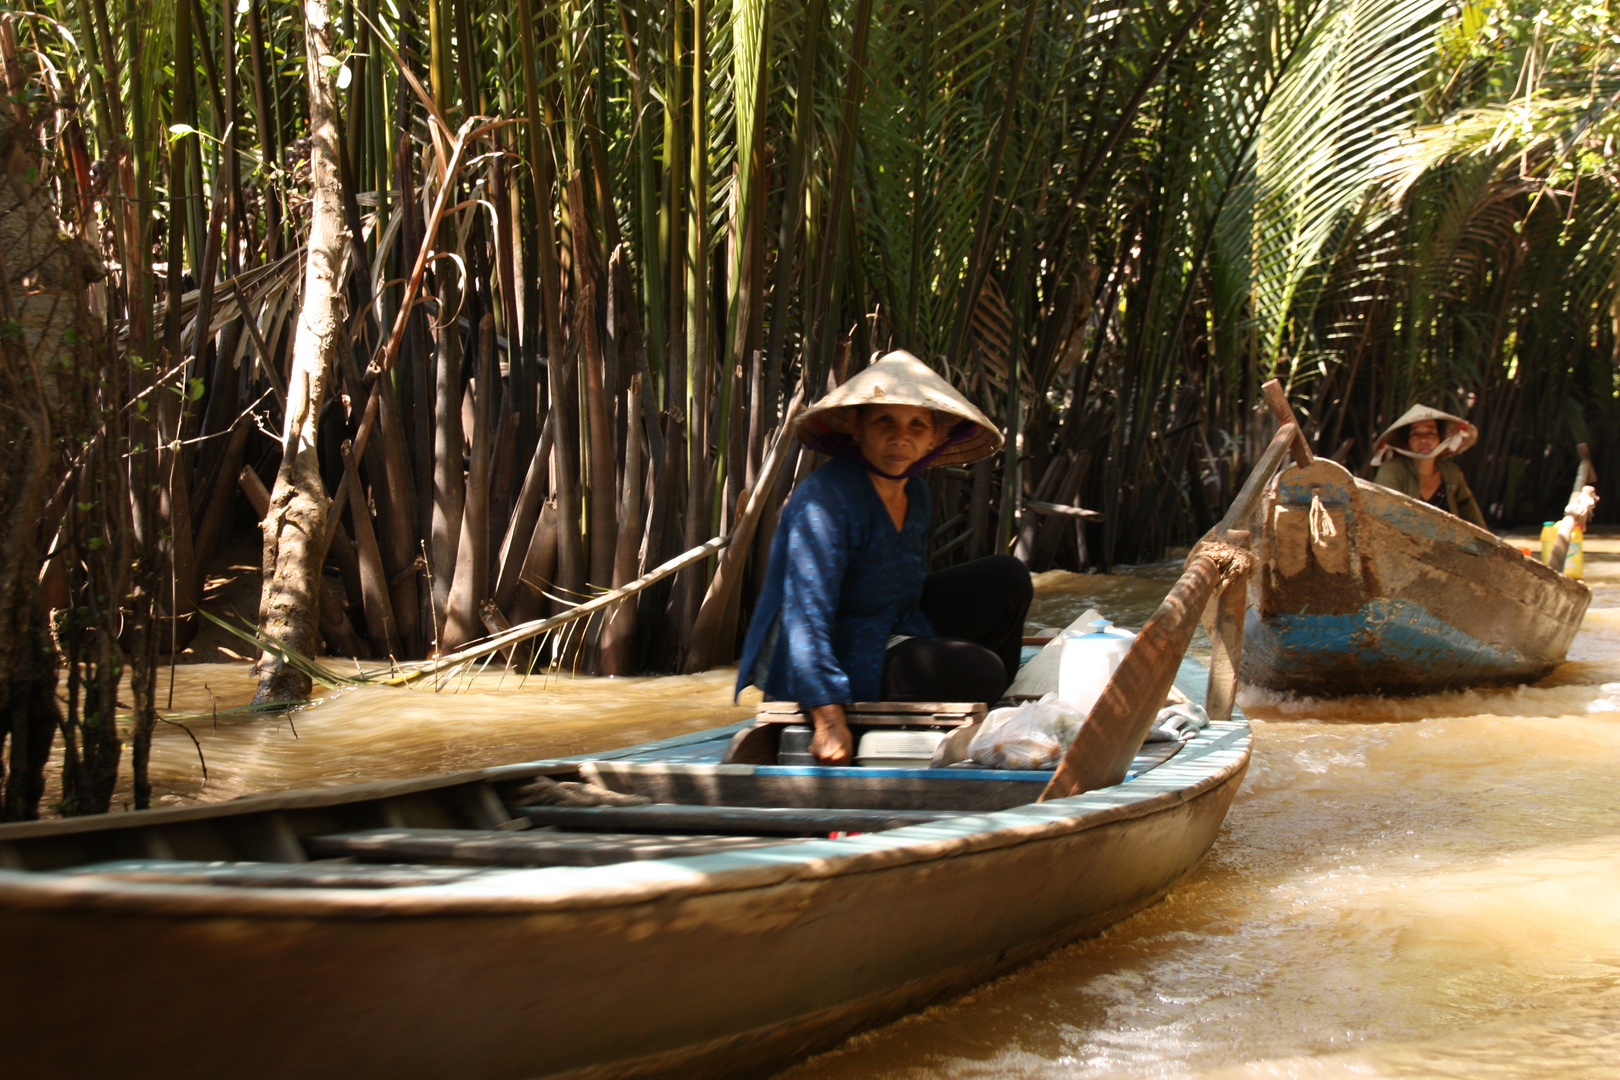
x: 337, y: 794
x: 564, y: 890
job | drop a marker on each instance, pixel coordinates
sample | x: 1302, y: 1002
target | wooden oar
x: 1284, y: 413
x: 1223, y: 622
x: 1582, y: 501
x: 1119, y: 723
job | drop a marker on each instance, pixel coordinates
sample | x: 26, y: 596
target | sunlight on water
x: 1127, y: 596
x: 1419, y: 887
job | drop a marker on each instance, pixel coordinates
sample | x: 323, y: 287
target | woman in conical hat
x: 849, y: 611
x: 1414, y: 455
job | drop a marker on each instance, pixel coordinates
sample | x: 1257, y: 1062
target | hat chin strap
x: 875, y: 471
x: 1451, y: 443
x: 1385, y: 451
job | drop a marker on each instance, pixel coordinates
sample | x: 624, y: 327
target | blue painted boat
x: 455, y: 926
x: 1363, y: 590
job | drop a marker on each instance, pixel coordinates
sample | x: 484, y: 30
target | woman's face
x: 895, y: 437
x: 1422, y: 436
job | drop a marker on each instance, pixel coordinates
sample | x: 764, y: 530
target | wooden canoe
x: 1363, y: 590
x: 442, y: 928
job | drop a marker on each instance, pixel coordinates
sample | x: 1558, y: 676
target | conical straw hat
x: 900, y: 379
x: 1456, y: 434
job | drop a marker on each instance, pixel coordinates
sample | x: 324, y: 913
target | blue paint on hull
x: 1384, y: 647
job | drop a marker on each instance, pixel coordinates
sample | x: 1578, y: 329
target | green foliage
x: 1108, y: 220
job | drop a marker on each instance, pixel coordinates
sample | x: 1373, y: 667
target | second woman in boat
x: 1414, y: 454
x: 849, y: 611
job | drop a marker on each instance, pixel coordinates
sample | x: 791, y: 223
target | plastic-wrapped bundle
x: 1034, y: 735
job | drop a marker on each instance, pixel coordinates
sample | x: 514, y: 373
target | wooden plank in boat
x: 838, y: 788
x: 733, y: 820
x: 257, y: 875
x: 819, y: 787
x: 346, y: 798
x: 466, y: 847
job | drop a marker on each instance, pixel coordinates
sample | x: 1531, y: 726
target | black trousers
x: 978, y: 609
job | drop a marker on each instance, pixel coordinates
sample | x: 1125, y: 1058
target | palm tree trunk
x: 295, y: 528
x: 600, y: 463
x: 617, y: 650
x: 449, y: 446
x: 470, y: 588
x: 34, y: 347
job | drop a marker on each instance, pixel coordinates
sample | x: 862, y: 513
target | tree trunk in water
x: 42, y: 336
x: 295, y: 528
x: 570, y: 577
x: 618, y: 647
x: 599, y: 464
x: 449, y: 472
x: 470, y: 586
x: 381, y: 627
x: 399, y: 554
x: 520, y: 526
x: 539, y: 567
x: 28, y: 714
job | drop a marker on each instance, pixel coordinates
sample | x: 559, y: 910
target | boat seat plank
x: 883, y: 713
x: 733, y: 820
x: 273, y: 875
x: 466, y: 847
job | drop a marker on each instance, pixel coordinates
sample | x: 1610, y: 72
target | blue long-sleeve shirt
x: 841, y: 580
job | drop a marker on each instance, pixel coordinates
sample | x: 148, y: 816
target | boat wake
x: 1570, y: 699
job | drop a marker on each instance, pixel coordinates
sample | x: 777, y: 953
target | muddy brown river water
x: 1427, y: 887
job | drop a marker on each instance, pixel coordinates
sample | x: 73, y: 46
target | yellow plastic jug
x: 1574, y: 557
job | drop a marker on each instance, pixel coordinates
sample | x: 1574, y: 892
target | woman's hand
x: 832, y: 743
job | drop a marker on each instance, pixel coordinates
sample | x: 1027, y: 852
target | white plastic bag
x: 1034, y: 735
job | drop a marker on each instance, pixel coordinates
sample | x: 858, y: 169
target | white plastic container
x: 897, y: 748
x: 1089, y: 661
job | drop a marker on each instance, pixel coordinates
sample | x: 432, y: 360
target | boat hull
x: 1362, y: 590
x: 719, y: 965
